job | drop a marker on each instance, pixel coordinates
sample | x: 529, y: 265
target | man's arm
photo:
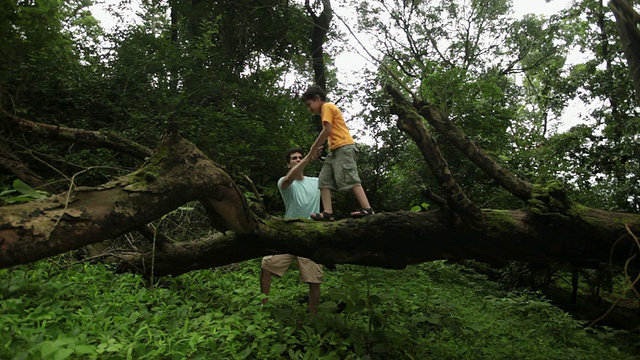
x: 322, y: 137
x: 295, y: 172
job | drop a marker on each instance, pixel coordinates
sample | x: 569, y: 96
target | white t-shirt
x: 301, y: 198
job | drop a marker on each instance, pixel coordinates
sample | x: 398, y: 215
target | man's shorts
x: 339, y: 170
x: 310, y: 272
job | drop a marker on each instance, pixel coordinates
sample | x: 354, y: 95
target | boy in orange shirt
x: 339, y: 170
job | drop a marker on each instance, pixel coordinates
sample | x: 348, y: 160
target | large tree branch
x: 411, y: 123
x: 473, y: 152
x: 470, y: 149
x: 175, y: 174
x: 551, y: 229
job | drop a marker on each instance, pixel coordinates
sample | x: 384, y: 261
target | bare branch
x: 10, y: 163
x: 94, y: 138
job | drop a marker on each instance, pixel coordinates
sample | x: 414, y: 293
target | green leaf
x: 434, y: 319
x: 85, y: 349
x: 328, y: 305
x: 337, y: 294
x: 7, y: 192
x: 62, y: 354
x: 47, y: 348
x: 24, y: 188
x: 380, y: 348
x: 278, y: 348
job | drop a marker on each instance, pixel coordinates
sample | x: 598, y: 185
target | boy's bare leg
x: 325, y: 194
x: 265, y: 284
x: 358, y: 191
x: 314, y: 297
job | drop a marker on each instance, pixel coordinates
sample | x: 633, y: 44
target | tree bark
x: 627, y: 20
x: 318, y: 37
x: 176, y: 173
x: 551, y: 229
x: 587, y: 238
x: 79, y: 136
x: 410, y: 122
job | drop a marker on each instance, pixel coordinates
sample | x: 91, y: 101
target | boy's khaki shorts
x: 310, y: 272
x: 339, y: 171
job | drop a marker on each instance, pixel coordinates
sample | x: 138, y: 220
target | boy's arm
x: 294, y: 172
x: 322, y: 137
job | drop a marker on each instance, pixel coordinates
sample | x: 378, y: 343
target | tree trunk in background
x: 628, y: 20
x: 318, y: 37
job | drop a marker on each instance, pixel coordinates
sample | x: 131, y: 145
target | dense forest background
x: 231, y: 75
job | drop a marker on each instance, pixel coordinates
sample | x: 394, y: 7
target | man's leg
x: 276, y: 265
x: 312, y: 274
x: 314, y: 297
x: 265, y: 284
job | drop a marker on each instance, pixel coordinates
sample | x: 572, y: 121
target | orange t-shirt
x: 340, y: 135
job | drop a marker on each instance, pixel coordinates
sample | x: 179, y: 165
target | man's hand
x: 314, y: 155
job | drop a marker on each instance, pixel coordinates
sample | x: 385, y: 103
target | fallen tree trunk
x: 176, y: 173
x: 586, y: 238
x: 550, y: 229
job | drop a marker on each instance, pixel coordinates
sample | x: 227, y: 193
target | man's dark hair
x: 312, y: 91
x: 292, y: 151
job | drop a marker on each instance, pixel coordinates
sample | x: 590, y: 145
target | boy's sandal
x: 362, y: 212
x: 323, y: 216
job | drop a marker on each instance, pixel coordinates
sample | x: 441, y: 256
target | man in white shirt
x: 301, y: 198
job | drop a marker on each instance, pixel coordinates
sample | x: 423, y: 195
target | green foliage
x: 598, y: 156
x: 434, y: 310
x: 459, y: 69
x: 223, y: 71
x: 508, y: 83
x: 21, y: 192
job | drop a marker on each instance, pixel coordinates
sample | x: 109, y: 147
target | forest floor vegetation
x: 54, y: 309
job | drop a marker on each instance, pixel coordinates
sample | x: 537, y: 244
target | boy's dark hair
x: 292, y: 151
x: 312, y: 91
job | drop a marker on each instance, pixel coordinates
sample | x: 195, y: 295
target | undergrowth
x: 430, y: 311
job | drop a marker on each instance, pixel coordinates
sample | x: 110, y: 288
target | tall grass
x: 431, y: 311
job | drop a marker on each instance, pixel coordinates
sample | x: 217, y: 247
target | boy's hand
x: 314, y: 155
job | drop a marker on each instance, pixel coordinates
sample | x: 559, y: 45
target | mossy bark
x: 550, y: 229
x: 176, y: 174
x: 395, y: 240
